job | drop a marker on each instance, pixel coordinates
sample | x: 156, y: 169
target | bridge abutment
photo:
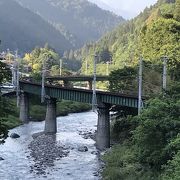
x: 103, y: 127
x: 50, y: 120
x: 24, y: 108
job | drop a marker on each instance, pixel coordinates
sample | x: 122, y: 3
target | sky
x: 126, y: 8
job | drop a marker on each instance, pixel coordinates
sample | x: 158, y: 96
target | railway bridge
x: 104, y: 101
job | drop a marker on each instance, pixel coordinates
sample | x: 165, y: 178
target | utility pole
x: 165, y: 59
x: 60, y: 67
x: 17, y: 77
x: 43, y: 81
x: 8, y: 54
x: 140, y: 87
x: 94, y: 100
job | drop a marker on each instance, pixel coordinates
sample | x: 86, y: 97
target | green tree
x: 123, y: 80
x: 36, y: 58
x: 159, y: 123
x: 177, y: 10
x: 5, y: 75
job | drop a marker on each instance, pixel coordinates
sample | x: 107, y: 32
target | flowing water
x: 52, y: 157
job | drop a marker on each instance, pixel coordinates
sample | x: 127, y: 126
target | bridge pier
x: 103, y: 127
x: 24, y: 108
x: 50, y: 120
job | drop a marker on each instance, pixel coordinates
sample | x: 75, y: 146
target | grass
x: 12, y: 122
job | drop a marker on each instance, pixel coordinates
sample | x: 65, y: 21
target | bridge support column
x: 103, y: 127
x: 24, y: 108
x: 50, y: 120
x: 90, y: 85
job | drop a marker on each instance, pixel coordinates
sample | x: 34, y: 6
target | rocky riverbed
x: 45, y: 150
x: 69, y: 155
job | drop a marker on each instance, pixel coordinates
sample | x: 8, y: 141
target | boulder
x: 14, y: 135
x: 1, y: 159
x: 95, y: 152
x: 83, y: 149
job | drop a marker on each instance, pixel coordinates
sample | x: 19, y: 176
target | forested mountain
x: 78, y: 20
x: 152, y: 34
x: 23, y: 30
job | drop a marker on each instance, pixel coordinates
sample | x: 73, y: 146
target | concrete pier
x: 24, y: 108
x: 50, y: 120
x: 103, y: 127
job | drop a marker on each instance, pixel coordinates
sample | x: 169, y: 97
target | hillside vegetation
x: 152, y: 34
x: 147, y: 146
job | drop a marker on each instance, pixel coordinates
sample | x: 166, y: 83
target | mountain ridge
x: 26, y: 30
x: 79, y: 20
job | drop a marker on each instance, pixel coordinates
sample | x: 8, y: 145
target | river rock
x: 95, y: 152
x: 1, y: 159
x: 14, y: 135
x: 83, y: 149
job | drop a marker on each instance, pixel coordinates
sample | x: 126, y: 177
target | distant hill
x: 78, y: 20
x: 23, y: 30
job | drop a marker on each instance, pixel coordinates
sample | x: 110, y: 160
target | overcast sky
x: 127, y: 8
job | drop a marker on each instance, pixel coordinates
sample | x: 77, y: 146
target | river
x: 54, y: 157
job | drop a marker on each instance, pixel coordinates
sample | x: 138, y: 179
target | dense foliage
x: 125, y: 80
x: 150, y: 143
x: 153, y: 34
x: 5, y: 75
x: 33, y: 63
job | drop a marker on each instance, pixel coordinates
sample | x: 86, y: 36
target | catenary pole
x: 43, y: 81
x: 17, y: 77
x: 140, y: 86
x: 60, y: 67
x: 94, y: 100
x: 165, y: 59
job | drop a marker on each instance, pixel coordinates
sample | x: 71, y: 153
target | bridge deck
x: 80, y: 95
